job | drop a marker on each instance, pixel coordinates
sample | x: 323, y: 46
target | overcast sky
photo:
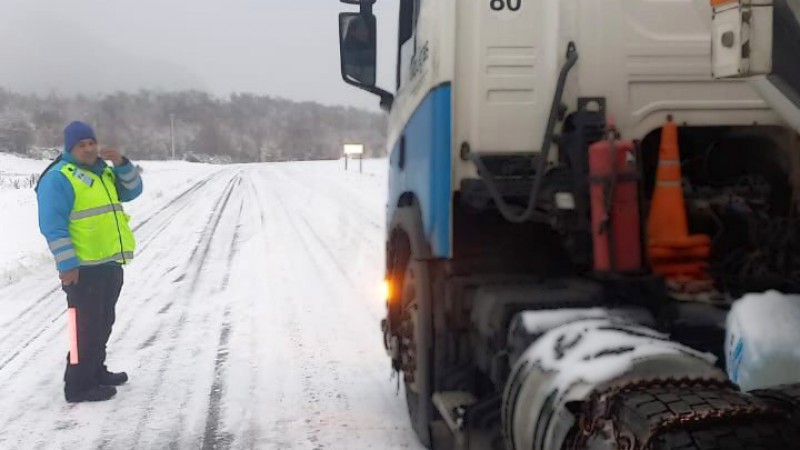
x: 286, y: 48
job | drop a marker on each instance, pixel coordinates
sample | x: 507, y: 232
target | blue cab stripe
x: 427, y: 171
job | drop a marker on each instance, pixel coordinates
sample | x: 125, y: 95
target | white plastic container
x: 762, y: 346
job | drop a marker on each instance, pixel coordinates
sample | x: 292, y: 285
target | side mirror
x: 358, y: 53
x: 358, y: 46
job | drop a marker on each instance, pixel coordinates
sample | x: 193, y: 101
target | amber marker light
x: 386, y: 289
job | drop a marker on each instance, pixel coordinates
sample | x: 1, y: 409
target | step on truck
x: 580, y: 193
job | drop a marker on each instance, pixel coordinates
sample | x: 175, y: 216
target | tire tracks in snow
x: 203, y: 242
x: 152, y: 354
x: 351, y: 207
x: 21, y: 324
x: 346, y: 274
x: 202, y: 247
x: 160, y: 262
x: 234, y: 248
x: 240, y: 375
x: 30, y: 341
x: 197, y: 261
x: 171, y: 203
x: 313, y: 359
x: 249, y: 429
x: 217, y: 389
x: 357, y: 210
x: 212, y: 439
x: 330, y: 273
x: 18, y: 319
x: 208, y: 235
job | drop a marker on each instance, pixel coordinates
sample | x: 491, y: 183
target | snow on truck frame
x: 578, y: 191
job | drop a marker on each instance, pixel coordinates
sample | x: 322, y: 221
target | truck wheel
x: 684, y: 415
x: 415, y: 349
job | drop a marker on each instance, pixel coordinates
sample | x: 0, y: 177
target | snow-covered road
x: 248, y: 320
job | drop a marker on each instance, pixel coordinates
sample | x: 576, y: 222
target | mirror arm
x: 387, y: 101
x: 366, y: 5
x: 387, y: 98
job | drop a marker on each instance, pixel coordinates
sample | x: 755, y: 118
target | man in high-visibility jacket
x: 81, y: 216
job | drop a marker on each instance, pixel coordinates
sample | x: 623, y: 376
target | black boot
x: 95, y: 394
x: 107, y: 378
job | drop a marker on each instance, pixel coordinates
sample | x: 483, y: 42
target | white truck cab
x: 579, y: 190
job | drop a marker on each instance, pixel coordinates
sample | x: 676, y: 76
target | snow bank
x: 22, y: 249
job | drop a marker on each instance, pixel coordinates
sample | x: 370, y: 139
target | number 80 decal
x: 502, y: 5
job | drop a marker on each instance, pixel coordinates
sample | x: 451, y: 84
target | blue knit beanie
x: 76, y: 132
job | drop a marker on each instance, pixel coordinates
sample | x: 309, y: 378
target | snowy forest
x: 240, y: 128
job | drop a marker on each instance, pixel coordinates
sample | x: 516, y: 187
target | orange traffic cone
x: 674, y: 253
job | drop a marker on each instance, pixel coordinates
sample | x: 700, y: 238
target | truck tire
x: 685, y: 415
x: 416, y: 328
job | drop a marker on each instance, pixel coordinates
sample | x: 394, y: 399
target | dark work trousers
x: 90, y: 317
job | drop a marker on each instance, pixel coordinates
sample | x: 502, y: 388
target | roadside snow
x: 22, y: 249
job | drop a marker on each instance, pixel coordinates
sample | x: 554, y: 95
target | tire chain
x: 598, y: 412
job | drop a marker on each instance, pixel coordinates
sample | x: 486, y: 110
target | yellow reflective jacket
x: 98, y: 226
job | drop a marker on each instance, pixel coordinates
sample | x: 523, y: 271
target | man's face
x: 85, y: 151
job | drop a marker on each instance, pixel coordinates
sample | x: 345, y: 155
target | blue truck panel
x: 427, y: 170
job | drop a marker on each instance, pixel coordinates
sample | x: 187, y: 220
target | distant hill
x: 240, y: 128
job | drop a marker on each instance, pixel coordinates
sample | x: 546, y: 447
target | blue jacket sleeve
x: 129, y: 182
x: 56, y: 198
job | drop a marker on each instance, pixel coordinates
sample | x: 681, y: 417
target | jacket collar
x: 97, y: 168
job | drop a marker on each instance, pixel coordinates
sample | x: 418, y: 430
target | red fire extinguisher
x: 615, y: 205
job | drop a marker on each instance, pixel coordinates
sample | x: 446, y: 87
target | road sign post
x: 352, y: 150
